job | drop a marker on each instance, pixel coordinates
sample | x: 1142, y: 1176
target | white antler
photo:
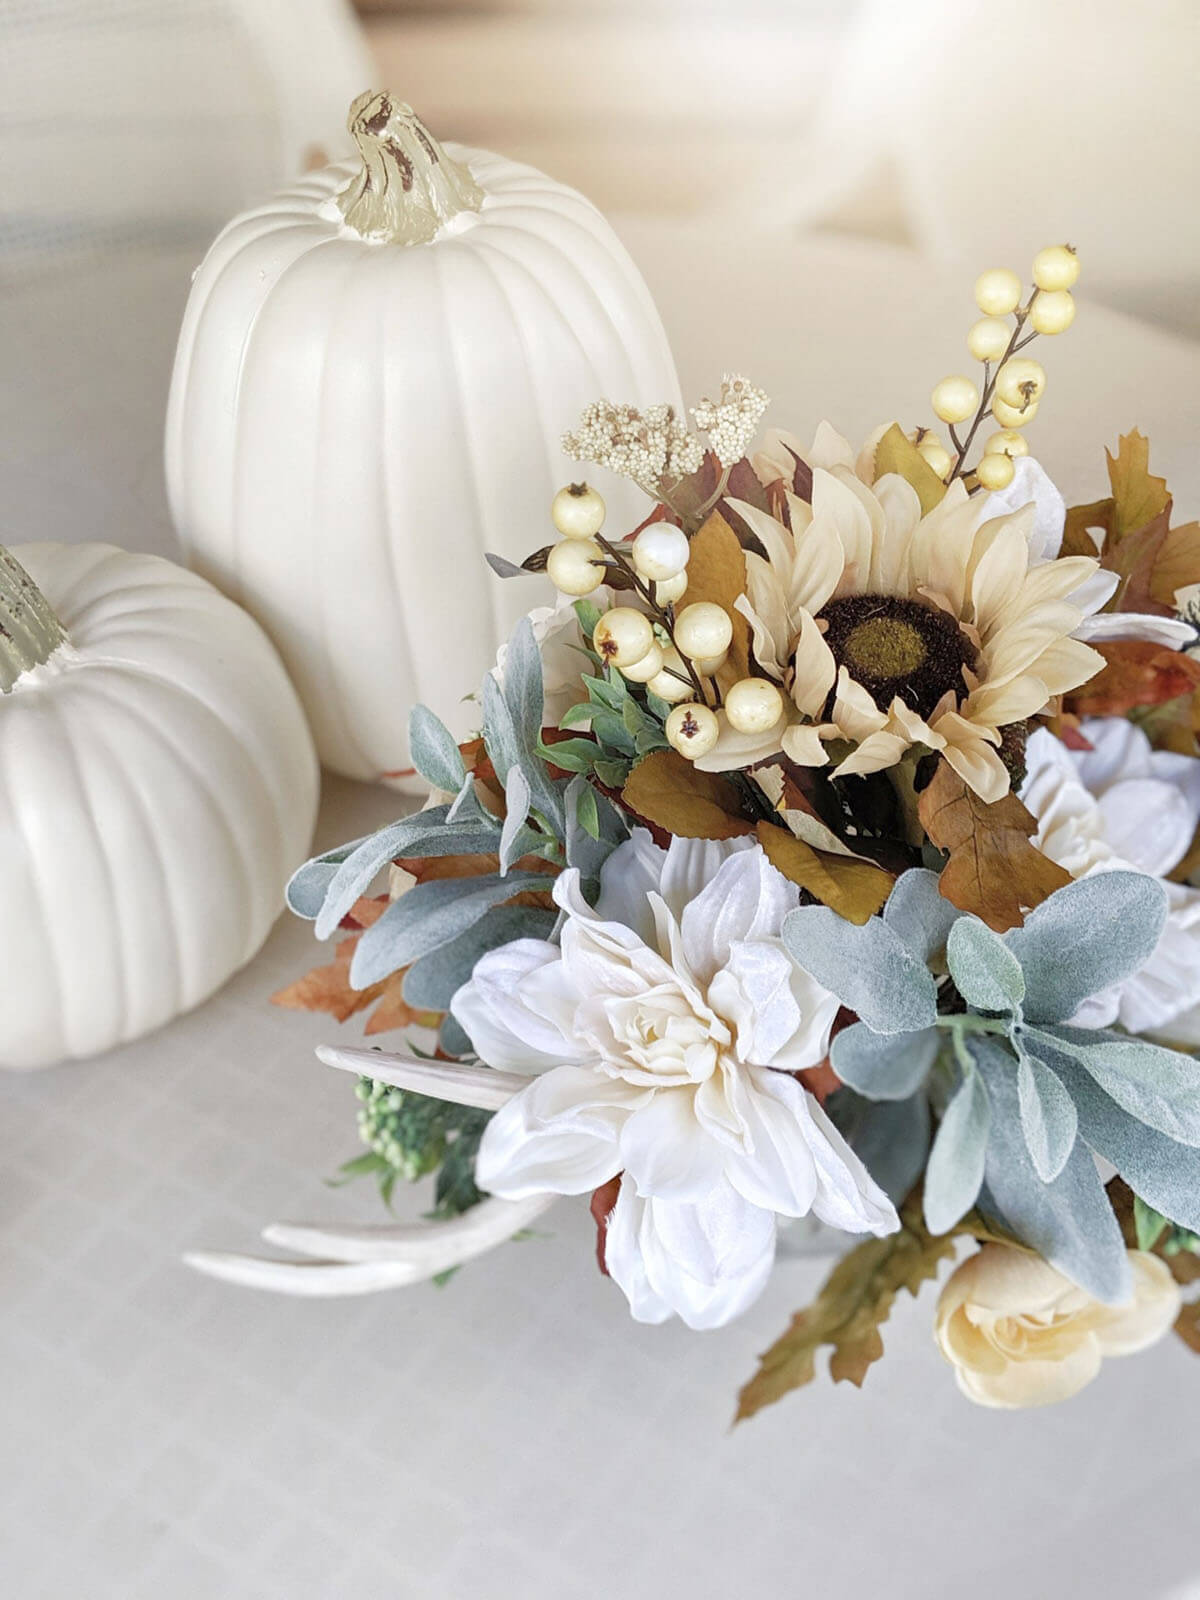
x: 483, y: 1087
x: 360, y: 1260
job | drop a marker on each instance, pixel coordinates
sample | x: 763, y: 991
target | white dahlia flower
x: 663, y: 1033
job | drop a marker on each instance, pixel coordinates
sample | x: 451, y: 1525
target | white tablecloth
x: 513, y: 1434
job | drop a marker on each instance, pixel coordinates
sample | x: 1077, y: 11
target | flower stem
x: 989, y: 385
x: 30, y: 633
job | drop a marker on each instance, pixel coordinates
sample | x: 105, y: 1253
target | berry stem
x: 989, y: 385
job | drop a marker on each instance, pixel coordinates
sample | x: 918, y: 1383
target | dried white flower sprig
x: 732, y: 421
x: 656, y: 449
x: 653, y: 447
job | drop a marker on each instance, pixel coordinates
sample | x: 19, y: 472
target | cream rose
x: 1020, y: 1334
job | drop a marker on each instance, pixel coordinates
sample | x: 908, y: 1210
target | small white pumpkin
x: 373, y: 377
x: 157, y: 786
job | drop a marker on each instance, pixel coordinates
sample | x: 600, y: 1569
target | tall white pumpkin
x: 373, y: 377
x: 157, y: 786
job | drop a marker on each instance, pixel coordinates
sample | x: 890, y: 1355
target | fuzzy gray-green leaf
x: 1084, y: 937
x: 1159, y: 1087
x: 883, y: 1066
x: 985, y: 971
x: 868, y: 967
x: 430, y: 916
x: 1048, y: 1117
x: 435, y: 754
x: 431, y: 982
x: 955, y: 1169
x: 922, y: 916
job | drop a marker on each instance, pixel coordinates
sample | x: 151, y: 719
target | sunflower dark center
x: 896, y: 646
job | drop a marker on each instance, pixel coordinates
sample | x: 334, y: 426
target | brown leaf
x: 1078, y: 539
x: 855, y: 1301
x: 1138, y: 496
x: 1187, y: 1325
x: 327, y: 988
x: 666, y: 789
x: 1134, y: 557
x: 993, y: 870
x: 895, y: 452
x: 1137, y: 672
x: 854, y: 889
x: 716, y: 572
x: 1178, y: 564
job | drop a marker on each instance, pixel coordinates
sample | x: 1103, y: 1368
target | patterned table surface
x: 513, y: 1434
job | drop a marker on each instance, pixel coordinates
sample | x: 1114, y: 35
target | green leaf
x: 985, y: 971
x: 847, y: 1315
x: 586, y: 813
x: 612, y: 774
x: 1148, y: 1223
x: 577, y: 715
x: 611, y: 693
x: 589, y: 615
x: 955, y: 1170
x: 889, y: 1137
x: 869, y: 969
x: 571, y: 755
x: 883, y: 1066
x: 514, y: 833
x: 1084, y: 937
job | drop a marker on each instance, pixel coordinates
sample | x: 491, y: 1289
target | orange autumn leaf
x: 993, y: 871
x: 1137, y: 672
x: 327, y: 988
x: 855, y: 889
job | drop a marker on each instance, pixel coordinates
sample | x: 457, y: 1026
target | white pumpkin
x: 373, y: 377
x: 157, y: 786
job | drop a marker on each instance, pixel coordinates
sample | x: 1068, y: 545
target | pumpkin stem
x: 408, y: 187
x: 30, y: 633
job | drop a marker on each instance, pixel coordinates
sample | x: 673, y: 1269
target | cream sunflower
x: 890, y: 629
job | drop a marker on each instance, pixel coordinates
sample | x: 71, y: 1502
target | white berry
x: 703, y: 629
x: 1008, y: 442
x: 709, y: 666
x: 1013, y: 416
x: 648, y: 667
x: 997, y: 292
x: 672, y: 683
x: 622, y: 636
x: 576, y: 566
x: 753, y: 705
x: 955, y: 399
x: 661, y: 551
x: 932, y: 450
x: 668, y: 590
x: 577, y: 511
x: 1056, y: 267
x: 1052, y: 313
x: 692, y: 730
x: 1021, y: 380
x: 988, y: 338
x: 995, y: 471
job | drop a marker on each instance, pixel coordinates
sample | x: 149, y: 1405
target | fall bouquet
x: 827, y: 852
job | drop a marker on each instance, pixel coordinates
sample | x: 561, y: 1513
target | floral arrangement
x: 829, y: 850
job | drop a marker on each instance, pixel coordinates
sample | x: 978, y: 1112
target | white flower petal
x: 664, y: 1150
x: 746, y: 899
x: 507, y: 1028
x: 559, y: 1136
x: 1171, y: 632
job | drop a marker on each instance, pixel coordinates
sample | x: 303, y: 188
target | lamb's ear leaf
x: 868, y: 967
x: 891, y: 1139
x: 1159, y: 1087
x: 955, y: 1170
x: 432, y: 981
x: 514, y: 833
x: 1069, y: 1221
x: 883, y: 1066
x: 309, y: 884
x: 984, y: 969
x: 430, y: 916
x: 920, y: 913
x: 1085, y: 936
x: 1048, y: 1117
x: 434, y: 751
x: 1165, y: 1173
